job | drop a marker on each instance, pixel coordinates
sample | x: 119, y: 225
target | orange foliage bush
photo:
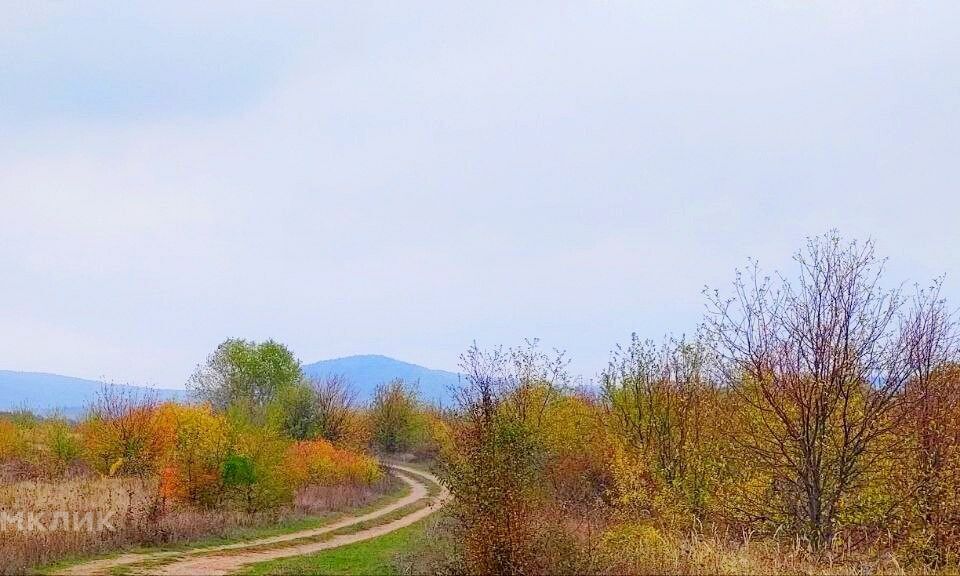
x: 194, y: 443
x: 319, y: 462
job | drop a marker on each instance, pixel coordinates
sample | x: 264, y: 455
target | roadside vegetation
x: 810, y: 425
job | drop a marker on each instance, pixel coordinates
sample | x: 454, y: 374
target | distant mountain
x: 365, y: 372
x: 46, y: 393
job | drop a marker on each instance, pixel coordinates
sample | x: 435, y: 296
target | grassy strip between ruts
x: 236, y: 536
x: 374, y: 556
x: 346, y: 530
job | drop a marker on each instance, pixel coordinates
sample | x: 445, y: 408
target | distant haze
x: 55, y: 393
x: 403, y: 179
x: 365, y: 372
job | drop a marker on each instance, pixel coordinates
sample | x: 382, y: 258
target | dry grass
x: 644, y: 550
x: 320, y: 499
x: 129, y: 501
x: 641, y: 549
x: 139, y: 519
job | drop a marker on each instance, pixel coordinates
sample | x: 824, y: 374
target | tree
x: 395, y: 417
x: 293, y: 411
x: 820, y: 364
x: 657, y: 398
x: 246, y: 373
x: 497, y: 469
x: 335, y: 400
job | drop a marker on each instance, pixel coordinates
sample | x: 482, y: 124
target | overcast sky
x: 405, y: 178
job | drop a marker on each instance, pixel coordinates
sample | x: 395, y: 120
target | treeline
x: 812, y: 420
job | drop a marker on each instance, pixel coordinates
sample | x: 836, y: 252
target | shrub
x: 256, y: 462
x: 120, y: 435
x: 196, y: 445
x: 61, y: 445
x: 396, y: 418
x: 319, y: 462
x: 13, y: 441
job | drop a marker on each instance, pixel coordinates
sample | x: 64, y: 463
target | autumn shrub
x: 498, y: 463
x: 61, y: 446
x: 120, y: 435
x: 578, y: 450
x: 13, y: 440
x: 438, y: 437
x: 318, y: 462
x: 197, y: 442
x: 496, y: 482
x: 396, y: 418
x: 254, y: 472
x: 927, y: 469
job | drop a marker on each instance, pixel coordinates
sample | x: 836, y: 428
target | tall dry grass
x: 642, y: 549
x: 645, y: 550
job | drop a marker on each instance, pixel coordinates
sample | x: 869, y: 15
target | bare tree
x: 522, y: 380
x: 335, y: 399
x: 821, y: 363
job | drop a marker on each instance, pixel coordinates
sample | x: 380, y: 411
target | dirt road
x: 230, y: 558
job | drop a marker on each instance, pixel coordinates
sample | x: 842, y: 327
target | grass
x: 376, y: 556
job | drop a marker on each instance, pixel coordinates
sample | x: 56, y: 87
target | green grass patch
x: 375, y: 556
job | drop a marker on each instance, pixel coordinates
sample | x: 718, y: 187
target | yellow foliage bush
x: 319, y: 462
x: 13, y: 441
x: 194, y: 442
x: 633, y: 540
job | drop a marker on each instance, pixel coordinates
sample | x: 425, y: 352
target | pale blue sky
x: 403, y: 178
